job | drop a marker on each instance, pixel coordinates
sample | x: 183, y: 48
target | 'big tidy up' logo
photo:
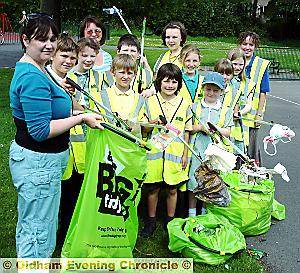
x: 117, y: 193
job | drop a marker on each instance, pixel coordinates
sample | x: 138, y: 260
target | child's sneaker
x: 149, y: 227
x: 168, y: 219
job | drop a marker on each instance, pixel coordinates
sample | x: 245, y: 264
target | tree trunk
x: 254, y: 8
x: 53, y: 8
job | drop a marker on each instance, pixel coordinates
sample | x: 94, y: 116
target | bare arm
x: 60, y: 126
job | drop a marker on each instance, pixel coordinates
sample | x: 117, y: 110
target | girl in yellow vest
x: 240, y: 132
x: 209, y: 109
x: 173, y: 36
x: 167, y: 168
x: 192, y: 81
x: 257, y: 70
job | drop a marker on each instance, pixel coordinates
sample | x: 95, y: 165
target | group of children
x: 175, y: 91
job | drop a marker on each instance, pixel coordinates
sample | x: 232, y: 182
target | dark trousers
x: 70, y: 190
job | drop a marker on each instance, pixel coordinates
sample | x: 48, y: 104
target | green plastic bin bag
x: 205, y: 238
x: 105, y: 222
x: 278, y: 210
x: 251, y: 204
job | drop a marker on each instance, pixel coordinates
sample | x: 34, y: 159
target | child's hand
x: 258, y: 117
x: 184, y: 160
x: 148, y: 93
x: 67, y: 87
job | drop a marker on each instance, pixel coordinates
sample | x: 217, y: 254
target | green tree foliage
x: 211, y: 18
x: 283, y: 19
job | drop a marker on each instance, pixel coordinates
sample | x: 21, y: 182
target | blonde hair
x: 187, y: 49
x: 237, y: 53
x: 123, y: 61
x: 224, y: 66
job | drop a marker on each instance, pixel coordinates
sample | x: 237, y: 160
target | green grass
x: 155, y: 247
x: 8, y: 195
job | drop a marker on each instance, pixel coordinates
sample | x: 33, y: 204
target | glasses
x: 97, y: 31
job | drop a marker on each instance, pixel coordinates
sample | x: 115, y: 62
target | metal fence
x: 284, y: 62
x: 9, y: 38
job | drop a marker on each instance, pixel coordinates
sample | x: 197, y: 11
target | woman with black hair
x: 39, y: 153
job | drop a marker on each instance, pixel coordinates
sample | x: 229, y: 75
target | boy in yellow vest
x: 209, y: 109
x: 257, y: 71
x: 120, y: 98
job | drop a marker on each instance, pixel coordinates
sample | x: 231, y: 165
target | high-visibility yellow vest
x: 238, y: 132
x: 135, y: 110
x: 197, y: 108
x: 184, y: 92
x: 258, y: 69
x: 166, y: 166
x: 166, y: 58
x: 147, y: 78
x: 77, y: 136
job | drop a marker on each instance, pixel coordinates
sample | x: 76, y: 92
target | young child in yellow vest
x: 173, y: 36
x: 257, y: 70
x: 208, y: 109
x: 240, y: 132
x: 120, y: 98
x: 83, y: 75
x: 192, y: 81
x: 129, y: 44
x: 64, y: 58
x: 169, y: 168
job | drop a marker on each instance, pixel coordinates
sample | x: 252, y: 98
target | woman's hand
x: 92, y: 120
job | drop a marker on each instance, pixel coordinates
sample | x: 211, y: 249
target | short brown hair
x: 187, y: 49
x: 178, y: 25
x: 87, y: 21
x: 123, y: 61
x: 170, y: 71
x: 252, y: 35
x: 66, y: 43
x: 83, y: 42
x: 224, y: 66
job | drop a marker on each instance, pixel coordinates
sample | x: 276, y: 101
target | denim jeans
x: 37, y: 178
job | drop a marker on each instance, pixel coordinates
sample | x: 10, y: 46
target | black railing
x: 284, y: 62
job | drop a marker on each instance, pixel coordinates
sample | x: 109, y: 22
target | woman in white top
x: 92, y: 28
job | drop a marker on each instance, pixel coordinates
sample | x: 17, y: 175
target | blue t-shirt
x: 37, y: 100
x: 191, y: 83
x: 265, y: 82
x: 107, y: 61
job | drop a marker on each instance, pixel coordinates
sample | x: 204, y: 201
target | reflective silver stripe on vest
x: 169, y: 157
x: 258, y: 67
x: 96, y: 77
x: 77, y: 138
x: 154, y: 156
x: 148, y: 77
x: 110, y: 78
x: 147, y: 109
x: 138, y: 106
x: 106, y: 102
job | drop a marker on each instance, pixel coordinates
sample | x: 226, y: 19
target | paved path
x: 282, y: 242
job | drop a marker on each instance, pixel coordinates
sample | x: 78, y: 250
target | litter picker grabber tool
x: 277, y: 133
x: 141, y: 67
x: 214, y: 130
x: 211, y: 187
x: 115, y: 10
x: 119, y: 121
x: 250, y: 168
